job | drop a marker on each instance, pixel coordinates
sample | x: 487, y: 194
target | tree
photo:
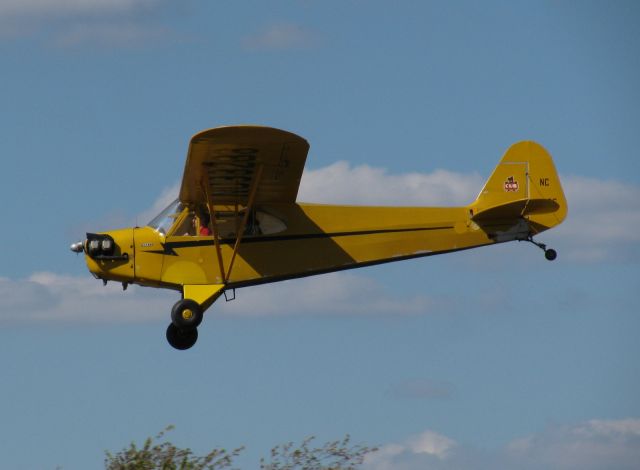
x: 166, y: 456
x: 333, y: 455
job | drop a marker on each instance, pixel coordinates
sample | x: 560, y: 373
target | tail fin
x: 523, y: 190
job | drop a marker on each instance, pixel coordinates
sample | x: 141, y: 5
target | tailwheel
x: 186, y: 313
x: 549, y: 253
x: 181, y: 338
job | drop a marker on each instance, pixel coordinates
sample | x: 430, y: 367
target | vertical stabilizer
x: 524, y: 187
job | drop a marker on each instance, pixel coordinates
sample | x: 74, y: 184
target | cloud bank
x: 73, y: 23
x: 24, y: 8
x: 115, y: 34
x: 591, y: 445
x: 53, y: 298
x: 603, y: 221
x: 120, y: 23
x: 48, y: 297
x: 341, y: 183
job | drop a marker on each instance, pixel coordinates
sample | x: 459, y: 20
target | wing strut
x: 216, y: 233
x: 240, y: 229
x: 247, y: 211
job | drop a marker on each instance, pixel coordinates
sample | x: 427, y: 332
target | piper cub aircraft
x: 236, y: 223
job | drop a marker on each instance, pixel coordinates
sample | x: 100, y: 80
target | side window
x: 258, y: 223
x: 268, y: 224
x: 227, y: 223
x: 187, y: 226
x: 194, y: 223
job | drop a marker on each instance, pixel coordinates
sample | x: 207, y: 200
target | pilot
x: 204, y: 224
x: 189, y: 225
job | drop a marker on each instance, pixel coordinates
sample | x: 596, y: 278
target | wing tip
x: 257, y: 131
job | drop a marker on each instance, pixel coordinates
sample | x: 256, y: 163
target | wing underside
x: 224, y: 165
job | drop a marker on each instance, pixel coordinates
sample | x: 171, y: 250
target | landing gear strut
x: 186, y: 315
x: 549, y: 253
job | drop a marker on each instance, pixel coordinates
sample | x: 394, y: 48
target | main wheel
x: 181, y: 338
x: 186, y: 313
x: 550, y: 254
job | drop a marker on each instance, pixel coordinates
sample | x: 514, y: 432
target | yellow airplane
x: 236, y: 223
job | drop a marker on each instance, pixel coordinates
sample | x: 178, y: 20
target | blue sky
x: 491, y: 358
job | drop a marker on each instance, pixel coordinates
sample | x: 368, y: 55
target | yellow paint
x: 523, y: 197
x: 204, y: 294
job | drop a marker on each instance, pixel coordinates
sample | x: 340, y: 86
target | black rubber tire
x: 179, y: 320
x: 181, y: 338
x: 550, y: 254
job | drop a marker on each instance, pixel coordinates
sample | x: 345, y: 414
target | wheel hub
x: 187, y: 314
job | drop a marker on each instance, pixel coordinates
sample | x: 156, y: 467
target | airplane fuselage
x: 318, y: 239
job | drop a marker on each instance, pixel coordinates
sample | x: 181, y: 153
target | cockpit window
x: 227, y: 222
x: 258, y: 223
x: 165, y: 219
x: 268, y: 224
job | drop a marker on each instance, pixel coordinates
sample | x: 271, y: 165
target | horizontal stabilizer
x: 515, y: 209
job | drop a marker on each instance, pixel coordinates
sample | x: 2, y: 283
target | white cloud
x: 431, y: 443
x: 280, y: 36
x: 73, y: 23
x: 329, y: 294
x: 69, y: 7
x: 417, y: 452
x: 340, y: 183
x: 596, y: 444
x: 603, y: 219
x: 109, y: 34
x: 167, y: 196
x: 48, y: 297
x: 597, y: 427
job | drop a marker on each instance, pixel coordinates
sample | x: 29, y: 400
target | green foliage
x: 166, y: 456
x: 334, y: 455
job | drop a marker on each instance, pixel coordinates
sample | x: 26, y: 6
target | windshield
x: 165, y: 219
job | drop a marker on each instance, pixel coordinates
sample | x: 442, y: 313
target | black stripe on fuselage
x: 286, y: 277
x: 169, y: 247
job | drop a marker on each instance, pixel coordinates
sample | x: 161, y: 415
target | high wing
x: 242, y: 166
x: 228, y: 165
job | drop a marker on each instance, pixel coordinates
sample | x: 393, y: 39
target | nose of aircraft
x: 109, y: 255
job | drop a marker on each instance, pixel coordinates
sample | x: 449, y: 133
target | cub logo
x: 511, y: 185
